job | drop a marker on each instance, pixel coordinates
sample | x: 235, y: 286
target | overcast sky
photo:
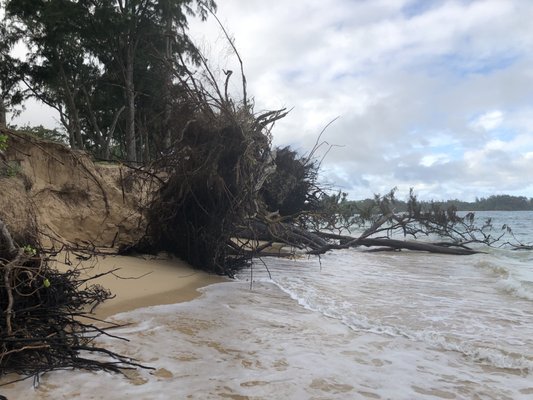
x: 434, y: 95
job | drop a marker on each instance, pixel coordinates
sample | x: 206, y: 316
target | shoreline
x: 142, y: 281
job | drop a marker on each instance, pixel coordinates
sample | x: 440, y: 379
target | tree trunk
x: 131, y: 148
x: 283, y: 233
x: 168, y: 83
x: 98, y: 137
x: 146, y: 154
x: 74, y: 119
x: 2, y: 113
x: 417, y: 246
x: 110, y: 133
x: 68, y: 126
x: 347, y: 242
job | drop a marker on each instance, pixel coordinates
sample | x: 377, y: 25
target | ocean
x: 348, y: 325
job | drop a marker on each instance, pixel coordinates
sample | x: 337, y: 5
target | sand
x: 75, y: 201
x: 144, y: 281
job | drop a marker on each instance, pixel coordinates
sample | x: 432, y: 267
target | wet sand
x: 144, y: 281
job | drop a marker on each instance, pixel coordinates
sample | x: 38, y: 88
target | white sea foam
x: 260, y: 344
x: 354, y: 325
x: 430, y: 299
x: 513, y: 275
x: 491, y: 356
x: 516, y: 288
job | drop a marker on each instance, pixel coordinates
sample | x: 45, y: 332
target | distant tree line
x: 503, y: 202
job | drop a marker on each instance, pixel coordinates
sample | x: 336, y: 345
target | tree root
x: 45, y: 326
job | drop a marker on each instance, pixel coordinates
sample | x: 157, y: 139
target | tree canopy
x: 502, y: 202
x: 109, y: 68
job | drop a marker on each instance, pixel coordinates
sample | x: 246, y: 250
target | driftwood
x: 523, y: 247
x: 43, y: 326
x: 292, y: 236
x: 456, y: 233
x: 417, y: 246
x: 394, y: 244
x: 289, y: 234
x: 322, y: 242
x: 346, y: 241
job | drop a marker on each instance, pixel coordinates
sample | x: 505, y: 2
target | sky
x: 433, y: 95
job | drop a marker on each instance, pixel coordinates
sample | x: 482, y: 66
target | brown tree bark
x: 73, y: 116
x: 3, y: 121
x: 7, y: 247
x: 168, y: 84
x: 131, y: 146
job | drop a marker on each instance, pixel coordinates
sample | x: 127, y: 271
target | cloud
x: 433, y: 95
x: 488, y: 121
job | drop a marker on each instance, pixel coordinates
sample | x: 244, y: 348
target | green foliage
x: 109, y: 68
x: 414, y: 216
x: 335, y: 211
x: 3, y: 142
x: 54, y: 135
x: 10, y: 169
x: 504, y: 203
x: 11, y: 94
x: 29, y: 250
x: 492, y: 203
x: 288, y: 189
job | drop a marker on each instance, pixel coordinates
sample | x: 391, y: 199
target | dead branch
x: 232, y: 44
x: 7, y: 247
x: 45, y: 312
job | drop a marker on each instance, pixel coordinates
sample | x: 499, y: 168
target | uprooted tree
x: 222, y: 189
x: 225, y: 189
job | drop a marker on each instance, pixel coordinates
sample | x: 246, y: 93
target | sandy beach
x: 143, y: 281
x: 307, y: 329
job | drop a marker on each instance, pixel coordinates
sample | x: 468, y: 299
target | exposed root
x: 45, y: 310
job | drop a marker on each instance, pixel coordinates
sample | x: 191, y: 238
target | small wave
x: 488, y: 356
x: 515, y: 288
x: 507, y: 283
x: 497, y: 269
x: 493, y: 357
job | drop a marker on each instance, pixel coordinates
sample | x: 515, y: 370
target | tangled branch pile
x: 221, y: 180
x: 214, y: 173
x: 42, y: 328
x: 441, y: 230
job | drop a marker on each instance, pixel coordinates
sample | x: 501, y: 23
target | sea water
x: 347, y: 325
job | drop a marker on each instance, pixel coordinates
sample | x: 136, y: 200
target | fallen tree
x: 220, y: 179
x: 211, y: 175
x: 428, y: 229
x: 394, y: 244
x: 210, y: 188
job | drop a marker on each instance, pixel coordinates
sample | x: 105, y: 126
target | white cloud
x: 434, y: 159
x: 405, y: 80
x: 488, y: 121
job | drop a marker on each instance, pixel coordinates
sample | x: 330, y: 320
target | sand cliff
x: 66, y: 196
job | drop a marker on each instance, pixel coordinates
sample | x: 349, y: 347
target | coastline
x: 145, y: 281
x: 320, y: 329
x: 136, y: 283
